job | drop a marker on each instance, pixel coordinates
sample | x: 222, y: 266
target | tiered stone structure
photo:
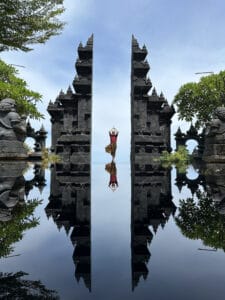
x: 71, y: 114
x: 151, y: 202
x: 150, y: 114
x: 69, y: 204
x: 70, y: 209
x: 151, y: 205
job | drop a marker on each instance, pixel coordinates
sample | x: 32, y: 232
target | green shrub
x: 179, y: 158
x: 48, y: 158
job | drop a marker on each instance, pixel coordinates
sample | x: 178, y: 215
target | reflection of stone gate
x: 192, y: 134
x: 192, y: 184
x: 151, y: 200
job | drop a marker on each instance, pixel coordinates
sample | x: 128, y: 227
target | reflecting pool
x: 70, y: 234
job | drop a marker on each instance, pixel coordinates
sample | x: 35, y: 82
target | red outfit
x: 113, y: 138
x: 113, y: 180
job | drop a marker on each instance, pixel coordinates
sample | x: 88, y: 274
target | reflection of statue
x: 215, y: 184
x: 12, y: 130
x: 12, y: 186
x: 16, y: 215
x: 215, y: 138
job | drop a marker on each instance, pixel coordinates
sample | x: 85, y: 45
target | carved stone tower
x: 150, y: 115
x: 71, y: 113
x: 70, y: 198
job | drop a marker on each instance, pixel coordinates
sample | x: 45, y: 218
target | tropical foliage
x: 179, y: 158
x: 48, y: 158
x: 27, y: 22
x: 11, y: 86
x: 197, y: 101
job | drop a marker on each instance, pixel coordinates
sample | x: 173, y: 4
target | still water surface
x: 175, y: 266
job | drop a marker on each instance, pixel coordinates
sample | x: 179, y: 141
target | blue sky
x: 182, y: 37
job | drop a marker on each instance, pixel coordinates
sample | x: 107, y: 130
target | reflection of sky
x: 183, y: 37
x: 177, y: 269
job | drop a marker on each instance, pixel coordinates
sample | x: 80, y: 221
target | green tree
x: 202, y: 220
x: 180, y: 158
x: 199, y: 100
x: 11, y: 86
x: 27, y: 22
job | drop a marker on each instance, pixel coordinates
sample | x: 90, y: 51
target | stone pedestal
x: 214, y: 152
x: 12, y: 150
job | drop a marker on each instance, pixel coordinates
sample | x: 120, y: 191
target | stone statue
x: 12, y: 126
x: 216, y: 127
x: 214, y: 148
x: 12, y: 130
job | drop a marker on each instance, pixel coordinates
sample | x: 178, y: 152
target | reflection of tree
x: 12, y: 231
x: 202, y: 220
x: 13, y: 286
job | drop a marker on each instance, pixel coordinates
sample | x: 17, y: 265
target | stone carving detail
x: 214, y: 150
x: 12, y: 131
x: 71, y: 114
x: 150, y: 114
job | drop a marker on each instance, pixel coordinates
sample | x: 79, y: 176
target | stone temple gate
x: 150, y: 114
x: 71, y: 115
x: 191, y: 134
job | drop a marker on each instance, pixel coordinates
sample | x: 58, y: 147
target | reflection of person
x: 111, y: 168
x: 12, y: 126
x: 111, y: 148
